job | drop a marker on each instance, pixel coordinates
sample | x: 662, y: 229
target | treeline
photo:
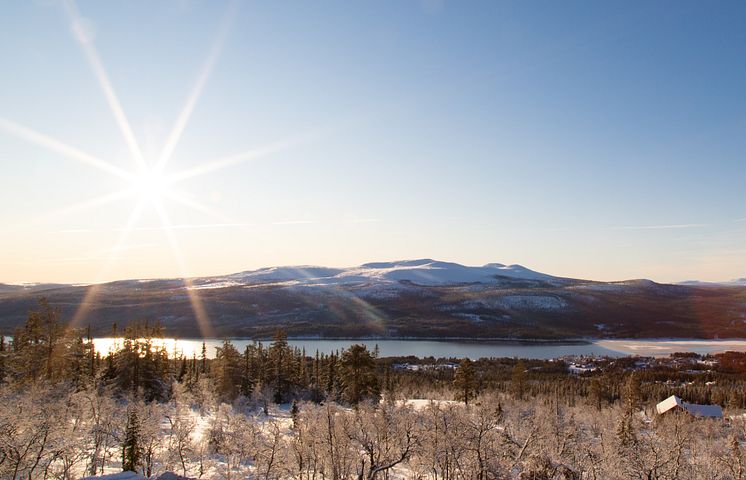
x: 140, y: 366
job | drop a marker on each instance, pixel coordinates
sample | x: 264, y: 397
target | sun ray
x: 25, y: 133
x: 200, y: 313
x: 83, y: 206
x: 221, y: 163
x: 92, y: 292
x: 196, y: 205
x: 99, y: 71
x: 196, y: 92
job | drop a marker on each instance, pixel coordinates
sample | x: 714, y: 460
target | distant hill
x: 738, y: 282
x: 411, y: 298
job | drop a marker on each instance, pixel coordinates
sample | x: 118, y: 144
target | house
x: 674, y: 404
x: 580, y: 368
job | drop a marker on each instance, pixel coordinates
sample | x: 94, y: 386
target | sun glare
x: 148, y: 185
x: 151, y: 185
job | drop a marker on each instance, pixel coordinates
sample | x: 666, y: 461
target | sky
x: 599, y: 140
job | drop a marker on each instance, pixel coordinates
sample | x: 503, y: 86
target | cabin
x: 675, y: 404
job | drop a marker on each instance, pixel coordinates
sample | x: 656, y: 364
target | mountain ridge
x: 423, y: 298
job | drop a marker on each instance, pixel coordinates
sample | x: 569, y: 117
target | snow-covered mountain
x: 420, y: 272
x: 738, y: 282
x: 401, y: 299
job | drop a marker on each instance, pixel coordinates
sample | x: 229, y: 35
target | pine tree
x: 358, y: 374
x: 465, y: 381
x: 154, y: 371
x: 303, y: 375
x: 632, y: 393
x: 316, y: 372
x: 247, y: 374
x: 281, y: 359
x: 518, y: 380
x: 294, y: 412
x: 3, y: 354
x: 182, y: 370
x: 739, y: 468
x: 131, y: 448
x: 52, y: 331
x: 625, y: 433
x: 90, y: 348
x: 76, y: 362
x: 36, y: 352
x: 595, y: 393
x: 316, y: 379
x: 139, y: 366
x: 194, y: 377
x: 227, y: 371
x: 330, y: 377
x: 388, y: 387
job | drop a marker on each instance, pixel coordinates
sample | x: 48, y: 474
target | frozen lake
x: 462, y: 348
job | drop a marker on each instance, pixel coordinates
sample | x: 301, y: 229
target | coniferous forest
x: 274, y: 412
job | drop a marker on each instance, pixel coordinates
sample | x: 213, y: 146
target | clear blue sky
x: 601, y: 140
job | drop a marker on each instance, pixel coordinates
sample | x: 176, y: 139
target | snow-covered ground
x: 665, y: 347
x: 422, y: 403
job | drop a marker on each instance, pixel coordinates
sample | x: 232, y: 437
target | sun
x: 147, y: 182
x: 151, y: 185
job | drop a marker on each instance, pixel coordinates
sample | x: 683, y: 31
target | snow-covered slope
x: 286, y: 274
x: 739, y: 282
x: 421, y: 272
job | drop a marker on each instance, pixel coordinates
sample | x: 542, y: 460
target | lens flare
x: 147, y: 185
x: 151, y: 185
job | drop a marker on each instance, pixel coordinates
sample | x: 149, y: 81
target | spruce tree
x: 76, y: 362
x: 131, y: 448
x: 465, y: 381
x: 282, y: 360
x: 36, y: 352
x: 90, y: 348
x: 595, y: 393
x: 632, y: 393
x: 331, y: 380
x: 294, y: 413
x: 194, y: 371
x: 2, y: 358
x: 140, y: 366
x: 227, y: 371
x: 182, y: 370
x: 247, y: 374
x: 303, y: 376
